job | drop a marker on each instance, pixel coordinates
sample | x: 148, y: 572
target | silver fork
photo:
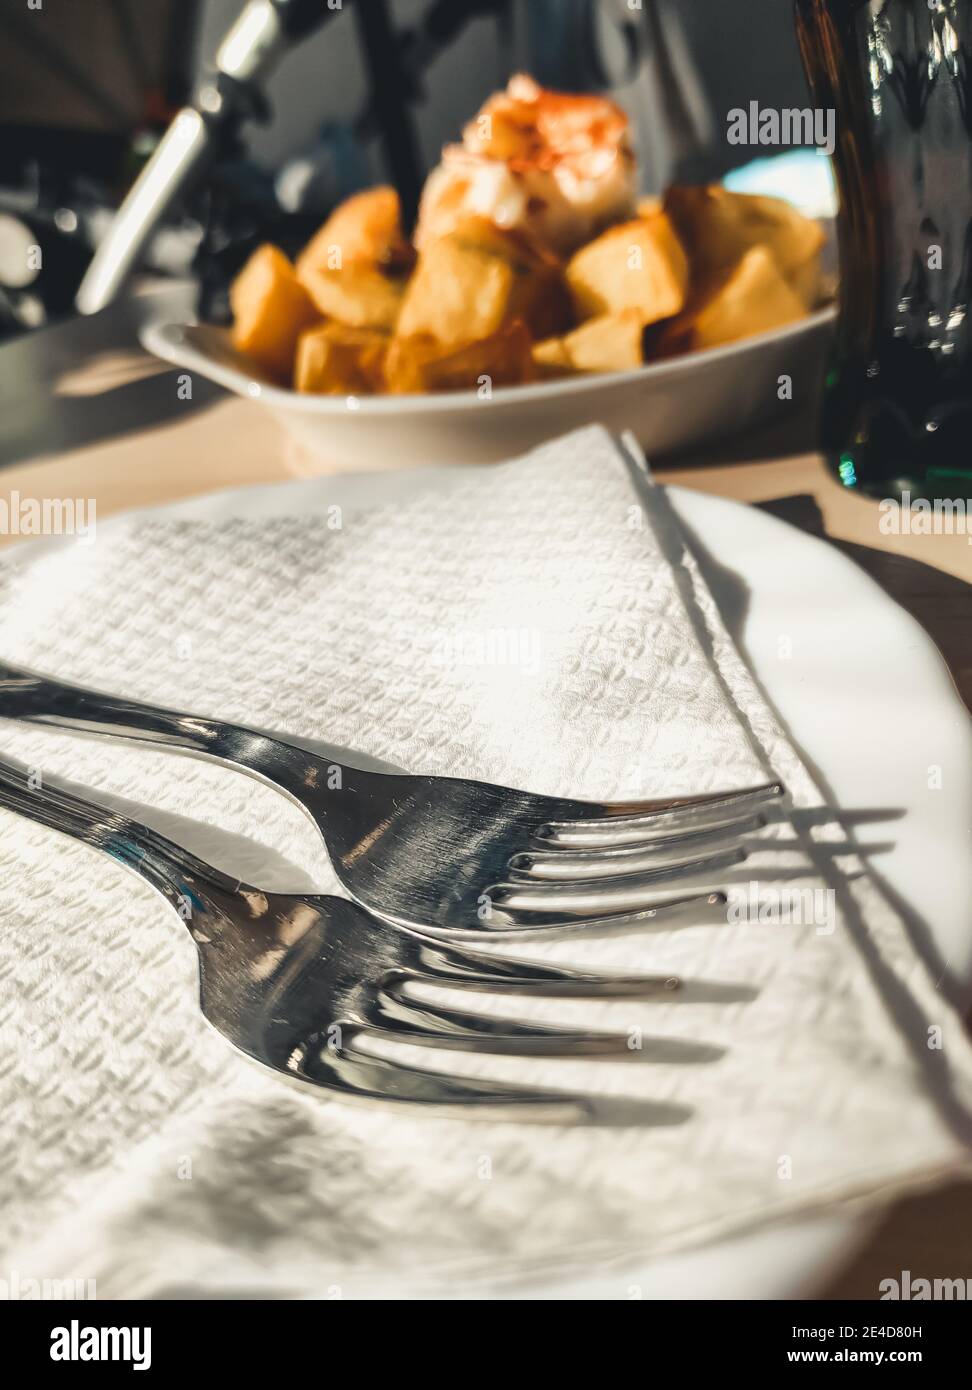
x: 295, y: 981
x: 442, y: 854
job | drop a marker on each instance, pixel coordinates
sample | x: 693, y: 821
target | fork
x: 443, y: 854
x: 296, y: 980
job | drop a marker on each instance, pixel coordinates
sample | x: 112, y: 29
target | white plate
x: 668, y: 405
x: 868, y: 699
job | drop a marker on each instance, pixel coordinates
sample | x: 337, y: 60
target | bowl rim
x: 176, y: 343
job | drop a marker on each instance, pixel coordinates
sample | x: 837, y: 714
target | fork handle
x: 176, y: 873
x: 36, y: 699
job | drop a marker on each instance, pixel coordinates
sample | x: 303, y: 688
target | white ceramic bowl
x: 670, y: 406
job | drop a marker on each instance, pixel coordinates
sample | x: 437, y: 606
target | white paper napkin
x: 540, y: 624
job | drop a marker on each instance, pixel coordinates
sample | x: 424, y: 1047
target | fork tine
x: 355, y: 1073
x: 590, y: 899
x: 657, y: 820
x: 445, y: 965
x: 665, y: 852
x: 697, y: 909
x: 405, y: 1019
x: 578, y: 866
x: 491, y: 974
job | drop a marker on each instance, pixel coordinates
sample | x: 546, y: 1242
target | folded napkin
x: 541, y: 624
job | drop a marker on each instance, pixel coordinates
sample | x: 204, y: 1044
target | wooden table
x: 84, y: 413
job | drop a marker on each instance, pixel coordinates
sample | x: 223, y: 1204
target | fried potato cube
x: 356, y: 296
x: 334, y: 360
x: 470, y: 283
x: 421, y: 363
x: 271, y: 309
x: 611, y: 343
x: 552, y: 360
x: 717, y: 228
x: 406, y: 362
x: 456, y: 294
x: 638, y: 266
x: 366, y: 229
x: 753, y: 297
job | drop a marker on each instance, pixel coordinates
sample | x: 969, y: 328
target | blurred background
x: 88, y: 87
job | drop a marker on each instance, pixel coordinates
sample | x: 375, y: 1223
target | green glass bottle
x: 897, y: 415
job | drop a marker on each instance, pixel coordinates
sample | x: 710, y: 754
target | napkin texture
x: 540, y: 623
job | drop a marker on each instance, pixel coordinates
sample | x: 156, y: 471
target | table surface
x: 85, y: 413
